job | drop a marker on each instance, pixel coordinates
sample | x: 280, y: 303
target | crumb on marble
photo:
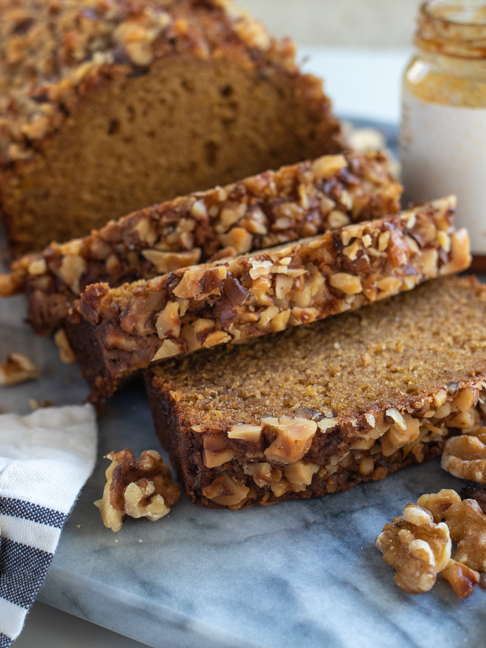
x: 142, y: 488
x: 17, y: 369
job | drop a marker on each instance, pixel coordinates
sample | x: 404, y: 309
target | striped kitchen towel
x: 45, y: 459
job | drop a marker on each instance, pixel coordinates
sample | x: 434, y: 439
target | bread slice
x: 258, y: 212
x: 115, y: 332
x: 324, y: 407
x: 114, y: 106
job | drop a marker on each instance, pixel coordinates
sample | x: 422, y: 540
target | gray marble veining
x: 301, y: 574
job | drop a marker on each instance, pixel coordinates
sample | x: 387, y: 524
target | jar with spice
x: 443, y: 127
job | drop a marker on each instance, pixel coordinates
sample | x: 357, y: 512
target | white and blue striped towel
x: 45, y: 459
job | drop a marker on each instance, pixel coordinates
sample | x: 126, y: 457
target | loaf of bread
x: 323, y: 407
x: 257, y: 212
x: 107, y: 107
x: 117, y: 331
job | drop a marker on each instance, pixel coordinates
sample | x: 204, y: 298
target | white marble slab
x: 301, y: 574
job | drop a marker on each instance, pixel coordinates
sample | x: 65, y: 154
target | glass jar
x: 443, y: 126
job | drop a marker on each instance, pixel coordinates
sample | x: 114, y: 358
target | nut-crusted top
x: 257, y: 212
x: 252, y: 295
x: 55, y: 52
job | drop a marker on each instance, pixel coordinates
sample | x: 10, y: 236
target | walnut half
x: 136, y: 489
x: 465, y: 456
x: 406, y: 543
x: 416, y: 547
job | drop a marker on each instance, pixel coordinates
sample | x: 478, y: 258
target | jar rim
x: 452, y: 28
x: 433, y: 8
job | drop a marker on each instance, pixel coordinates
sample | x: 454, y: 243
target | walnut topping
x: 37, y: 267
x: 326, y: 166
x: 71, y: 270
x: 246, y: 432
x: 215, y: 451
x: 247, y: 296
x: 327, y: 424
x: 394, y: 414
x: 167, y: 348
x: 137, y: 489
x: 200, y: 280
x: 171, y: 261
x: 168, y: 322
x: 465, y: 456
x: 146, y: 231
x: 120, y: 340
x: 226, y: 491
x: 366, y: 465
x: 416, y: 547
x: 293, y: 438
x: 216, y: 337
x: 17, y: 369
x: 348, y: 284
x: 405, y: 430
x: 299, y: 473
x: 337, y: 219
x: 460, y: 252
x: 263, y: 474
x: 237, y: 238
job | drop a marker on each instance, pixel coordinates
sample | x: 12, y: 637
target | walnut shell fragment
x: 136, y: 489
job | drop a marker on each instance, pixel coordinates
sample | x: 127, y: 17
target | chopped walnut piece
x: 467, y: 526
x: 246, y: 432
x: 465, y: 457
x: 348, y: 284
x: 226, y: 491
x: 416, y: 547
x: 215, y: 451
x: 17, y: 369
x: 71, y: 270
x: 461, y: 255
x: 66, y: 353
x: 438, y: 503
x: 168, y: 322
x: 463, y: 401
x: 170, y: 261
x: 462, y: 578
x: 405, y: 430
x: 294, y: 438
x: 168, y: 348
x: 326, y: 166
x: 137, y: 489
x: 300, y: 474
x: 263, y: 474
